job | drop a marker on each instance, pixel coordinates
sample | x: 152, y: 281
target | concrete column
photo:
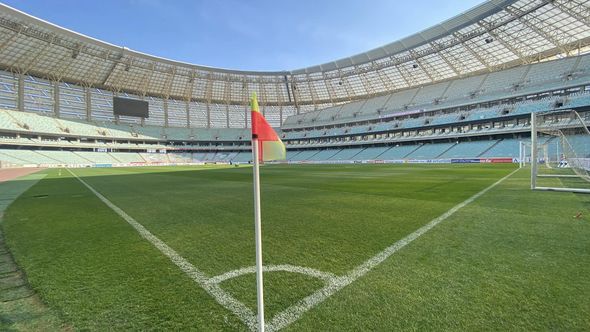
x: 208, y: 115
x: 56, y: 98
x: 246, y: 116
x: 165, y: 112
x: 20, y: 98
x: 88, y: 103
x: 188, y: 117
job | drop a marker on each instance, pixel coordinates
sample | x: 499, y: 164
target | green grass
x: 513, y: 259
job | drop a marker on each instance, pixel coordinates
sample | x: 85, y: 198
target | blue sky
x: 246, y: 34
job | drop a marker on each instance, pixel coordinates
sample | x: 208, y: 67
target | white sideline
x: 295, y: 311
x: 238, y: 308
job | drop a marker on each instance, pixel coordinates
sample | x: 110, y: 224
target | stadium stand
x: 472, y: 149
x: 242, y: 157
x: 372, y: 153
x: 430, y: 151
x: 504, y: 148
x: 127, y: 157
x: 97, y: 157
x: 64, y: 157
x: 398, y: 152
x: 324, y: 155
x: 304, y: 155
x: 346, y: 154
x: 155, y: 158
x: 459, y: 96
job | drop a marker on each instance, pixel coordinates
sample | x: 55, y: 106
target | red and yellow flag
x: 270, y: 146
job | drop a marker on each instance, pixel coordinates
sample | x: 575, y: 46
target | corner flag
x: 269, y: 144
x: 266, y: 145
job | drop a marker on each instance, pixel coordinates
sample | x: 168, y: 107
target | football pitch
x: 346, y: 248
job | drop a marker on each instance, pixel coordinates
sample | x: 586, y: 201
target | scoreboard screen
x: 130, y: 107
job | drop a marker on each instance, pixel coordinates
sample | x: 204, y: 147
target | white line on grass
x: 295, y: 311
x: 221, y: 296
x: 326, y: 276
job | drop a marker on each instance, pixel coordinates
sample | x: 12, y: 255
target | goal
x: 564, y: 135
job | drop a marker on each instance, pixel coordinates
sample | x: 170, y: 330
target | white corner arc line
x: 222, y: 297
x: 294, y: 312
x: 325, y: 276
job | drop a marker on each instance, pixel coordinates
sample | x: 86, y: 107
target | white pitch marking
x: 326, y: 276
x: 221, y: 296
x: 294, y: 312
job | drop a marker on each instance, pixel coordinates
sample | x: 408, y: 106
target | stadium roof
x: 491, y: 36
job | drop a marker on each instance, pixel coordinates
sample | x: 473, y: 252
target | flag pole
x: 258, y: 234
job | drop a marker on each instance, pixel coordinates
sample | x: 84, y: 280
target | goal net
x: 544, y: 158
x: 560, y: 151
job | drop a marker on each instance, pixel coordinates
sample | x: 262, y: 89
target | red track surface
x: 11, y: 173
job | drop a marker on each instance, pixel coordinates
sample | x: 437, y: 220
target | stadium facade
x: 462, y: 89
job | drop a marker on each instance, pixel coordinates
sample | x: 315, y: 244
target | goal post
x: 534, y: 159
x: 568, y: 130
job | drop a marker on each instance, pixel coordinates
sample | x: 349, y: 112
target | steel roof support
x: 344, y: 82
x: 147, y: 78
x: 296, y: 94
x: 477, y: 56
x: 311, y: 92
x: 280, y: 102
x: 168, y: 85
x: 369, y: 91
x: 329, y: 87
x: 10, y: 39
x: 92, y: 71
x: 226, y: 98
x: 35, y: 58
x: 111, y: 70
x: 386, y: 80
x: 582, y: 15
x: 208, y: 97
x: 245, y: 101
x: 504, y: 43
x: 166, y: 94
x: 536, y: 29
x: 188, y: 96
x: 407, y: 77
x: 447, y: 61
